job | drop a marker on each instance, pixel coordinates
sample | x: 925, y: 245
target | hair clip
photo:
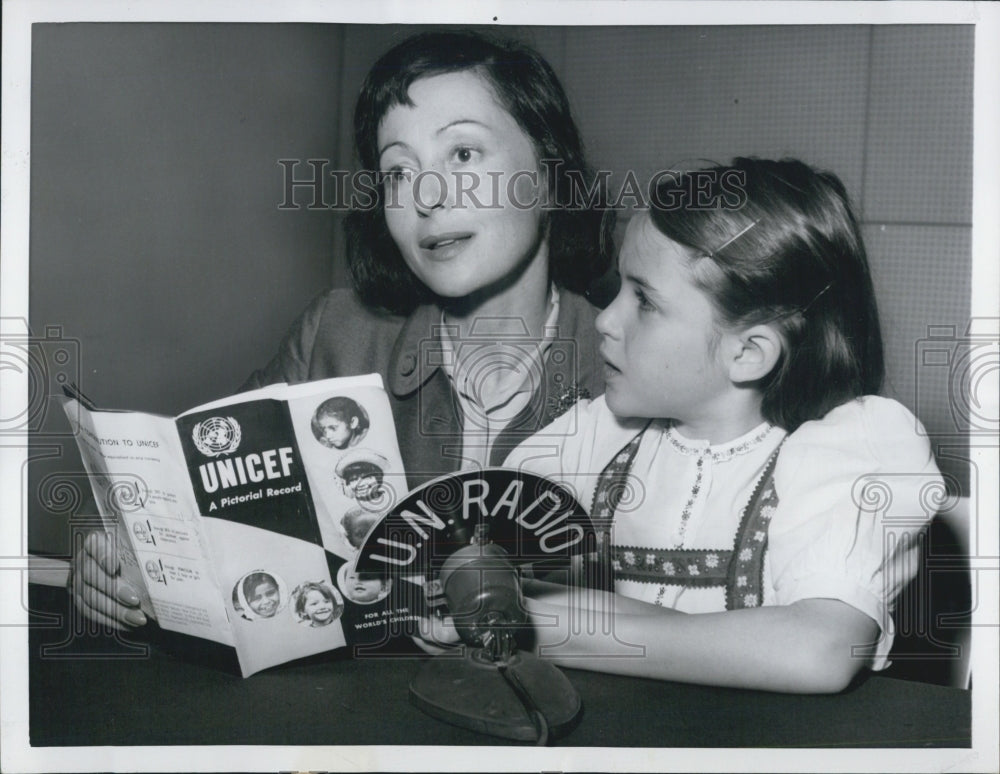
x: 816, y: 297
x: 733, y: 238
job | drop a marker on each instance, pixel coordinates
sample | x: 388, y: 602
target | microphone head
x: 483, y: 592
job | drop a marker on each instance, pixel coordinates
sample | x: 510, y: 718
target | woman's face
x: 317, y: 606
x: 463, y: 189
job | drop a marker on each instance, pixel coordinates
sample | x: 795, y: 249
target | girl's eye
x: 643, y: 301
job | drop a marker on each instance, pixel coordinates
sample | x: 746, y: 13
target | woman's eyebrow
x: 392, y: 144
x: 458, y: 121
x: 439, y: 131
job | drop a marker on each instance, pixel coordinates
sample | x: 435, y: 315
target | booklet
x: 240, y: 521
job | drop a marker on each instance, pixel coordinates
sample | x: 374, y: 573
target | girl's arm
x: 805, y: 647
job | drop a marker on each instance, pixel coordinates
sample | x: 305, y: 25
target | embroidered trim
x: 740, y: 570
x: 722, y: 454
x: 611, y: 485
x: 689, y: 505
x: 745, y: 579
x: 691, y: 567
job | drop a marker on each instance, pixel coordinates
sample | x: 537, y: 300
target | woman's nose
x: 430, y: 191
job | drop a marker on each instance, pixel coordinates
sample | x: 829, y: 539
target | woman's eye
x: 397, y: 174
x: 464, y: 154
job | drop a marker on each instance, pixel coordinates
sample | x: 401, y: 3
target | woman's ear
x: 756, y: 351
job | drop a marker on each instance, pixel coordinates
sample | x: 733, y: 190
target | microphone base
x: 470, y: 691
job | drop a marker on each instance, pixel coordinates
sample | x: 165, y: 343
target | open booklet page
x: 137, y: 471
x: 245, y: 516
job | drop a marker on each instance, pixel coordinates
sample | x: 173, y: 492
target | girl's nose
x: 606, y: 322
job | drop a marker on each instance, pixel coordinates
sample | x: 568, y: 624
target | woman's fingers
x: 94, y: 576
x: 97, y: 590
x: 98, y: 547
x: 102, y: 609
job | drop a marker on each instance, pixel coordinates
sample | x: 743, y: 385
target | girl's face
x: 263, y: 599
x: 317, y: 606
x: 659, y: 337
x: 462, y: 200
x: 336, y: 432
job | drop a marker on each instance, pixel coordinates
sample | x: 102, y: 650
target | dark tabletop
x: 153, y: 690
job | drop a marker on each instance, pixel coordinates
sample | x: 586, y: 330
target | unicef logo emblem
x: 218, y: 435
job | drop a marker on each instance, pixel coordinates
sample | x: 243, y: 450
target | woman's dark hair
x: 777, y: 241
x: 579, y: 226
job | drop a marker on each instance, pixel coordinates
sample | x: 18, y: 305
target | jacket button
x: 408, y: 364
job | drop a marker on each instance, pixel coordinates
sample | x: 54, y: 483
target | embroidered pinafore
x: 739, y: 568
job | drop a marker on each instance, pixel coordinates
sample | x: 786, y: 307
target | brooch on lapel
x: 562, y: 402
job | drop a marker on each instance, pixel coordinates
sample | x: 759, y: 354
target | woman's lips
x: 438, y: 244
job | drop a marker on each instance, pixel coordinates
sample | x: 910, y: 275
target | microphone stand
x: 489, y: 686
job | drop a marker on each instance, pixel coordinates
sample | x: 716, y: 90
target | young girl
x: 316, y: 604
x: 468, y: 266
x: 340, y: 422
x: 262, y: 594
x: 762, y: 501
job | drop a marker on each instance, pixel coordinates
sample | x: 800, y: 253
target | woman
x: 468, y: 268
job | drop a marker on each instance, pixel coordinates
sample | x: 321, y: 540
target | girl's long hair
x: 778, y: 242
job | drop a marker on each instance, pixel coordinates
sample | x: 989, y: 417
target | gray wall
x: 158, y: 245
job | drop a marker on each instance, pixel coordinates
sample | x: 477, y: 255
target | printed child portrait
x: 316, y: 604
x: 340, y: 422
x: 356, y: 523
x: 362, y: 589
x: 259, y: 594
x: 362, y: 476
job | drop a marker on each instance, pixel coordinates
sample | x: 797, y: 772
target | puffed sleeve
x: 575, y: 447
x: 855, y: 490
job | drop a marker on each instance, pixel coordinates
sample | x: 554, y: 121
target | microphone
x: 484, y: 597
x: 492, y: 688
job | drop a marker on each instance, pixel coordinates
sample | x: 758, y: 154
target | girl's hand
x: 436, y: 635
x: 97, y: 590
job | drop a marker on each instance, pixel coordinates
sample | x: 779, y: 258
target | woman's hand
x: 96, y: 588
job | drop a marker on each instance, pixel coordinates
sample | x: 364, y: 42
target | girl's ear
x: 354, y: 423
x: 756, y: 351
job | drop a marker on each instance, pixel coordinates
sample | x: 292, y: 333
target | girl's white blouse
x: 854, y: 491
